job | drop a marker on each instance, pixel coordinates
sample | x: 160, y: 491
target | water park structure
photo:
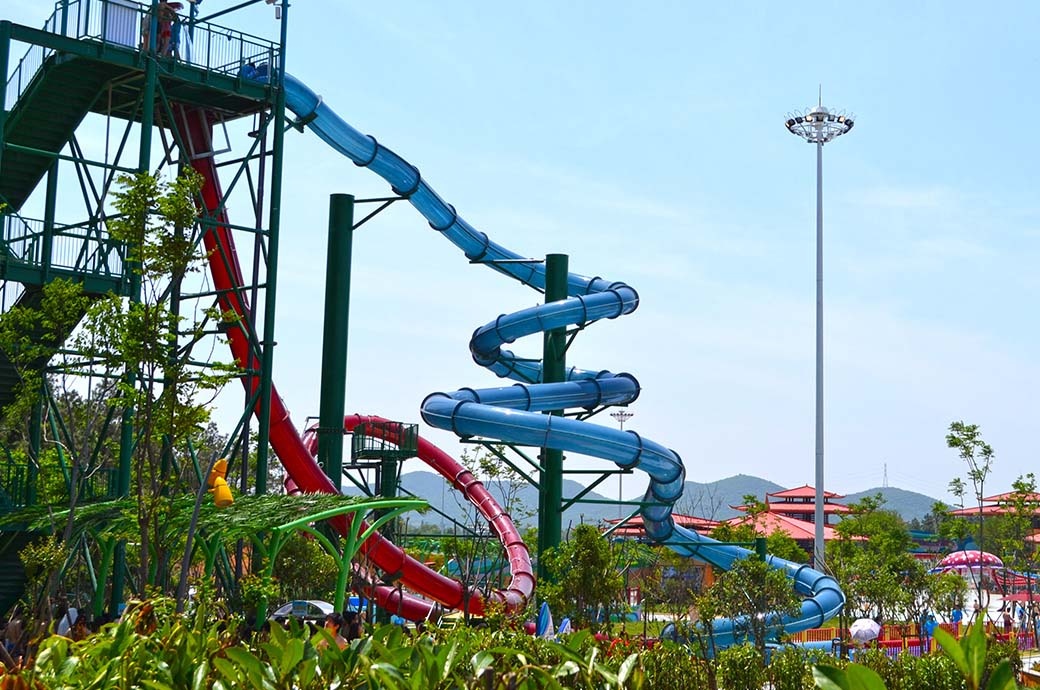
x: 117, y: 60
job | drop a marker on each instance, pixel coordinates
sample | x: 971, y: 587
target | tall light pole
x: 819, y: 126
x: 621, y: 416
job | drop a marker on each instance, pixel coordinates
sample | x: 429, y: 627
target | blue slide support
x: 511, y: 413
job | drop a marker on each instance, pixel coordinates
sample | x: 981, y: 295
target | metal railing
x: 12, y: 485
x: 79, y: 248
x: 102, y: 485
x: 384, y: 441
x: 126, y: 24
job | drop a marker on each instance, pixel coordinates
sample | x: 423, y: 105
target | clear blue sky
x: 647, y: 142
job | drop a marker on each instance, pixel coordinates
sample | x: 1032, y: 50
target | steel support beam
x: 334, y: 344
x: 554, y: 370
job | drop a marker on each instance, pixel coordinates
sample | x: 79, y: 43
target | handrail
x: 74, y: 247
x: 125, y: 24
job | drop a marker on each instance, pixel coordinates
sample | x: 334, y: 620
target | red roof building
x: 1002, y: 504
x: 633, y: 527
x: 800, y: 504
x: 801, y: 531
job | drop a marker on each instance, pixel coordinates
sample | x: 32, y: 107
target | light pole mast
x: 819, y: 126
x: 621, y: 416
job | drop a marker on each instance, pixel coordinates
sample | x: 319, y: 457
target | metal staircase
x: 41, y: 122
x: 44, y: 119
x: 93, y: 56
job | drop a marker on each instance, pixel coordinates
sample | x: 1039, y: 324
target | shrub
x: 741, y: 668
x: 790, y: 667
x: 672, y: 666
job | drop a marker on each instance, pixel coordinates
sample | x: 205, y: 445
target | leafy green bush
x: 790, y: 667
x: 671, y: 666
x: 741, y: 668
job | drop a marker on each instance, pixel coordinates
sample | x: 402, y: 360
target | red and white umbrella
x: 972, y: 559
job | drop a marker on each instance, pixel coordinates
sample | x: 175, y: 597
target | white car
x: 304, y: 609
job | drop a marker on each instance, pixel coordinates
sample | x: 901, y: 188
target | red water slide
x: 297, y: 456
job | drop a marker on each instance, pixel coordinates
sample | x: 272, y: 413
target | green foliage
x: 790, y: 667
x: 255, y: 589
x: 29, y: 337
x: 741, y: 667
x: 966, y: 439
x: 872, y: 561
x: 778, y: 543
x: 148, y: 648
x: 944, y: 592
x: 154, y: 648
x: 755, y: 596
x: 854, y: 677
x: 584, y: 577
x: 1009, y: 531
x: 40, y: 557
x: 480, y: 558
x: 305, y: 570
x: 671, y: 666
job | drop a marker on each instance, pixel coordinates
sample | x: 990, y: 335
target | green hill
x: 909, y: 504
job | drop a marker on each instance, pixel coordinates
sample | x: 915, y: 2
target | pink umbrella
x: 971, y: 558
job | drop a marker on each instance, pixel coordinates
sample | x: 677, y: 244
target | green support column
x: 554, y: 370
x: 126, y: 436
x: 5, y: 60
x: 49, y: 212
x: 267, y: 360
x: 334, y: 345
x: 35, y: 446
x: 388, y: 484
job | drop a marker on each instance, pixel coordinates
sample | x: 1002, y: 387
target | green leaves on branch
x: 156, y: 220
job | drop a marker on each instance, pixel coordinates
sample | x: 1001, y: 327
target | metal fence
x: 12, y: 485
x: 83, y: 249
x: 127, y: 24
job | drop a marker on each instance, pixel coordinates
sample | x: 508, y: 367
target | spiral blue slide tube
x: 511, y: 414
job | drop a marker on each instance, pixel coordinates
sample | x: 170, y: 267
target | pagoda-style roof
x: 769, y: 523
x: 633, y: 527
x: 802, y: 492
x: 991, y: 509
x: 828, y: 508
x: 1010, y: 497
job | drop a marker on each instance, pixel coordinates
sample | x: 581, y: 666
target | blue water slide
x: 512, y: 413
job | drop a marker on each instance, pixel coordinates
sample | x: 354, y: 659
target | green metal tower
x: 101, y: 90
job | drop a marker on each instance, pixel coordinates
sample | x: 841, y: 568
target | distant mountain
x: 711, y: 500
x: 909, y: 504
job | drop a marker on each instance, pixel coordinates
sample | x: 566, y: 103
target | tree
x: 479, y: 558
x: 945, y: 592
x: 778, y: 542
x: 305, y: 570
x: 148, y: 346
x: 1010, y: 531
x: 967, y: 441
x: 671, y: 582
x: 755, y: 596
x: 136, y: 355
x: 872, y: 561
x: 584, y: 577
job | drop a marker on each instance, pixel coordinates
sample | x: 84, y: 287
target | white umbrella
x: 864, y: 629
